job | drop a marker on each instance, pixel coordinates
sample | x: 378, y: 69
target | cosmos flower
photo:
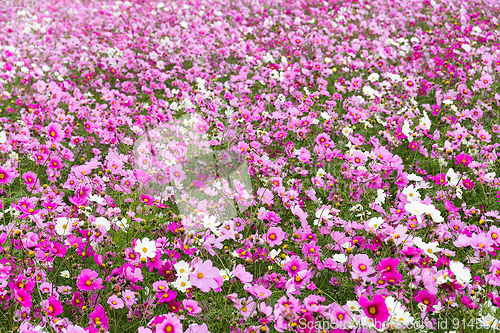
x: 146, y: 248
x: 204, y: 276
x: 376, y: 309
x: 88, y: 280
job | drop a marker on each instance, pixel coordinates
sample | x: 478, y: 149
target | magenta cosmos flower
x: 375, y: 309
x: 388, y: 268
x: 98, y: 317
x: 23, y: 297
x: 52, y: 306
x: 204, y: 276
x: 5, y: 176
x: 464, y: 159
x: 87, y: 280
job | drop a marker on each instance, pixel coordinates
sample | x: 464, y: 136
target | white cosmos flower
x: 146, y: 247
x: 461, y: 273
x: 123, y: 223
x: 64, y: 226
x: 414, y: 177
x: 452, y: 177
x: 435, y: 214
x: 375, y: 222
x: 226, y: 274
x: 182, y: 268
x: 274, y: 253
x: 425, y: 122
x: 96, y: 198
x: 411, y: 193
x: 407, y: 131
x: 182, y: 283
x: 380, y: 197
x: 346, y: 131
x: 373, y: 77
x: 352, y: 306
x: 340, y: 258
x: 65, y: 274
x: 489, y: 322
x: 429, y: 248
x: 102, y: 221
x: 417, y: 208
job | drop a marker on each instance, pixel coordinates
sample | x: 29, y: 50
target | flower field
x: 249, y: 166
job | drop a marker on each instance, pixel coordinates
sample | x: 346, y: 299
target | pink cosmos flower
x: 362, y: 265
x: 388, y: 268
x: 440, y: 179
x: 494, y: 278
x: 358, y: 158
x: 170, y: 324
x: 30, y: 179
x: 469, y: 184
x: 248, y: 307
x: 195, y: 328
x: 77, y: 300
x: 484, y: 135
x: 464, y: 159
x: 87, y: 280
x: 265, y: 195
x: 240, y: 272
x: 204, y: 276
x: 304, y: 155
x: 306, y: 323
x: 129, y: 298
x: 340, y: 315
x: 191, y: 307
x: 468, y: 302
x: 115, y: 302
x: 375, y: 309
x: 74, y: 329
x: 55, y: 132
x: 275, y: 236
x: 258, y: 291
x: 294, y: 265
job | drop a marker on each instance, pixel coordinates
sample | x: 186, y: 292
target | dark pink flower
x: 87, y: 280
x: 5, y: 176
x: 52, y: 306
x: 375, y: 309
x: 23, y: 297
x: 425, y: 298
x: 388, y: 268
x: 469, y: 184
x: 464, y: 159
x: 98, y: 317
